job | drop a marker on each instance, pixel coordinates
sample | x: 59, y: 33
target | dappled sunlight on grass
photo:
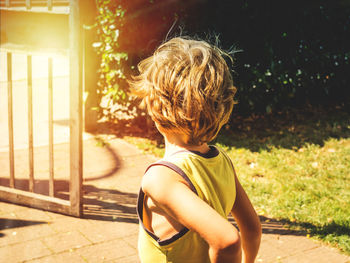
x: 308, y: 187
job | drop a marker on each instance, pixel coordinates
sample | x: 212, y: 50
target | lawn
x: 295, y: 167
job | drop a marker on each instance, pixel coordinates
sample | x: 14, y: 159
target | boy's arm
x: 248, y: 223
x: 171, y: 193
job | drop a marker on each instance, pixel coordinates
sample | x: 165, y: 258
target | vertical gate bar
x: 76, y: 120
x: 30, y: 122
x: 28, y: 4
x: 49, y: 4
x: 90, y: 66
x: 7, y: 3
x: 51, y: 163
x: 10, y: 119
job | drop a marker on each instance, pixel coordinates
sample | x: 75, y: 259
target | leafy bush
x: 294, y: 52
x: 115, y: 100
x: 128, y: 31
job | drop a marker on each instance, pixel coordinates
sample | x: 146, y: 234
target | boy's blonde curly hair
x: 187, y: 88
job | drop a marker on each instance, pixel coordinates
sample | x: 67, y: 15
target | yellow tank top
x: 211, y: 177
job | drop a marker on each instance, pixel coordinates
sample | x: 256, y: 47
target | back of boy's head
x: 187, y: 88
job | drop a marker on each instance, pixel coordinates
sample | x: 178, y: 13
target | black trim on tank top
x: 141, y: 197
x: 213, y: 152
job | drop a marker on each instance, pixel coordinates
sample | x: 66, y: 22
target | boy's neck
x: 175, y: 142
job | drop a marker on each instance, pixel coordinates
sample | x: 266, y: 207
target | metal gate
x: 30, y: 26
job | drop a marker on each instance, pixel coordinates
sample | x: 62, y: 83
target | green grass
x: 308, y: 187
x: 295, y: 167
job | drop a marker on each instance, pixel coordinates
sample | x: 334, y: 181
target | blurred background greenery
x: 288, y: 53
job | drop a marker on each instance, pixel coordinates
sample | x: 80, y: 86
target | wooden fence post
x: 76, y: 105
x: 91, y: 65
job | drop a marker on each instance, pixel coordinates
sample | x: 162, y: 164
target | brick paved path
x: 108, y: 231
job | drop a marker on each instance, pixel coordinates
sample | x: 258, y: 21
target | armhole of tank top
x: 228, y: 158
x: 233, y: 170
x: 140, y: 203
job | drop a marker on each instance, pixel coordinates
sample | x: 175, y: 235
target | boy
x: 185, y: 197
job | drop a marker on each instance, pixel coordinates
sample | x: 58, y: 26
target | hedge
x: 293, y: 52
x: 290, y: 52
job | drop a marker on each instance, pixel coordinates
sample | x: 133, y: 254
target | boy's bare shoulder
x: 157, y: 180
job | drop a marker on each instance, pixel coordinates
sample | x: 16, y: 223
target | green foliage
x: 294, y: 52
x: 115, y: 100
x: 294, y: 167
x: 304, y: 187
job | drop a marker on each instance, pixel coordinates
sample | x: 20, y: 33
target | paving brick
x: 112, y: 205
x: 269, y: 252
x: 7, y: 216
x: 132, y: 240
x: 131, y: 259
x: 54, y: 216
x: 7, y: 220
x: 70, y: 256
x: 11, y: 208
x: 65, y: 241
x: 319, y: 255
x: 68, y: 223
x: 33, y: 214
x: 287, y: 245
x: 290, y: 245
x: 105, y: 231
x: 25, y: 233
x: 23, y: 251
x: 107, y: 251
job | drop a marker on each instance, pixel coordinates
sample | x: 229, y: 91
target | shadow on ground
x: 275, y: 227
x: 98, y: 203
x: 7, y: 223
x: 109, y: 205
x: 286, y: 227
